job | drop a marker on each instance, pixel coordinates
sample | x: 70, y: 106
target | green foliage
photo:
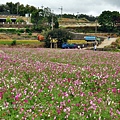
x: 22, y: 9
x: 18, y: 33
x: 30, y: 33
x: 20, y: 30
x: 21, y: 42
x: 107, y: 20
x: 56, y: 24
x: 42, y: 19
x: 19, y: 20
x: 28, y: 30
x: 36, y: 16
x: 60, y: 34
x: 13, y: 42
x: 8, y: 30
x: 8, y: 20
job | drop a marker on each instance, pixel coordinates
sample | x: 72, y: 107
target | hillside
x: 22, y: 36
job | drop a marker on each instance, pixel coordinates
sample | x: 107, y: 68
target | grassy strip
x: 77, y: 41
x: 8, y: 42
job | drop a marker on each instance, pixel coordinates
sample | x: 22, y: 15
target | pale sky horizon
x: 88, y: 7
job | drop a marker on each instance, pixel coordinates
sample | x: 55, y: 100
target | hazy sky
x: 88, y: 7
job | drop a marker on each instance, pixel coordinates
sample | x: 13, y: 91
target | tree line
x: 20, y: 9
x: 44, y: 18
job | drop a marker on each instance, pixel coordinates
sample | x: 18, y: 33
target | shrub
x: 29, y: 33
x: 118, y: 46
x: 8, y: 30
x: 8, y: 20
x: 28, y: 30
x: 13, y: 42
x: 19, y: 33
x: 20, y: 30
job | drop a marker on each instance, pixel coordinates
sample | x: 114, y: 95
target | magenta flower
x: 99, y: 100
x: 17, y: 97
x: 118, y: 112
x: 1, y: 95
x: 85, y: 109
x: 40, y: 90
x: 26, y: 101
x: 21, y: 109
x: 77, y: 104
x: 69, y: 100
x: 58, y: 111
x: 65, y: 94
x: 69, y: 79
x: 114, y: 90
x: 118, y: 90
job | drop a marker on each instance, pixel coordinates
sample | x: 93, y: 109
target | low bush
x: 18, y: 33
x: 7, y: 30
x: 29, y: 33
x: 13, y: 42
x: 21, y: 30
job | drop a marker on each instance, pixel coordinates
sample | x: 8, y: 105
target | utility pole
x: 95, y: 26
x: 17, y: 7
x: 77, y: 15
x: 61, y: 8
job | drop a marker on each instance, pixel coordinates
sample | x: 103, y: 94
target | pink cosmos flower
x: 118, y: 112
x: 99, y: 100
x: 118, y: 90
x: 69, y: 100
x: 58, y: 111
x: 114, y: 90
x: 69, y: 79
x: 85, y: 109
x: 21, y: 109
x: 40, y: 90
x: 1, y: 95
x: 26, y: 101
x: 91, y: 102
x: 17, y: 98
x: 77, y: 104
x: 65, y: 94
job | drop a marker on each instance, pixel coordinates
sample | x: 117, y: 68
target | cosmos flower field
x: 59, y: 84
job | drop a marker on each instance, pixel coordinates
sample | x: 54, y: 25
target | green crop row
x: 9, y: 42
x: 77, y: 41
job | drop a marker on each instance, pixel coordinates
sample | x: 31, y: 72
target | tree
x: 22, y: 10
x: 37, y: 18
x: 60, y: 34
x: 107, y: 20
x: 43, y: 19
x: 115, y: 17
x: 1, y: 8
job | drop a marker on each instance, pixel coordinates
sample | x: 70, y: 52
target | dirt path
x: 106, y: 42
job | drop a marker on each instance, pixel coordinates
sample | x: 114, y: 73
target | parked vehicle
x: 71, y: 46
